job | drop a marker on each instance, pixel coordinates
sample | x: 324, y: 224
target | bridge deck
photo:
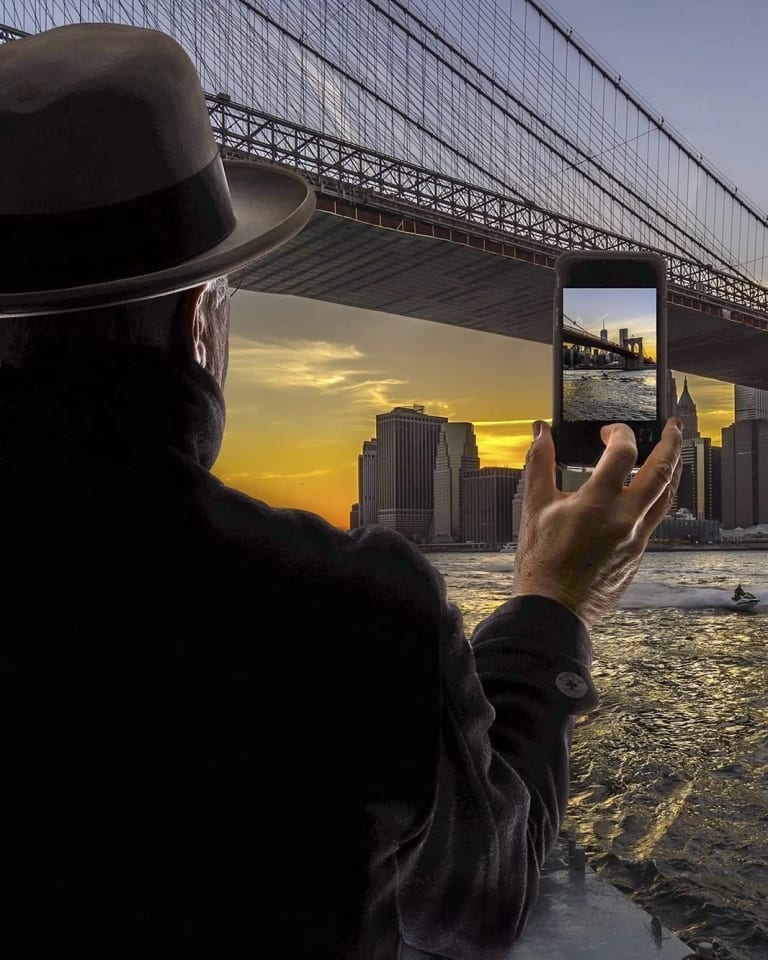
x: 457, y: 281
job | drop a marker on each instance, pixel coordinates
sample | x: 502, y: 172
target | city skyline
x: 307, y: 378
x: 614, y: 309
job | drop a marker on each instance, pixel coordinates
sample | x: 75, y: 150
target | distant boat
x: 508, y: 547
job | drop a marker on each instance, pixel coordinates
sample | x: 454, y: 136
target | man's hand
x: 583, y: 549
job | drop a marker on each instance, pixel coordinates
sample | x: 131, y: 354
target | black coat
x: 226, y: 726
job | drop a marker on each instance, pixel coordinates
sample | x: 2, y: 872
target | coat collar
x: 125, y: 403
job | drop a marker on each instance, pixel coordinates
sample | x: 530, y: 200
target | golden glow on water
x: 669, y: 775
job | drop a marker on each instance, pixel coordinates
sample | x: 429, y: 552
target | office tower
x: 750, y: 403
x: 686, y: 410
x: 623, y: 336
x: 745, y: 474
x: 354, y: 516
x: 456, y: 453
x: 367, y: 480
x: 603, y: 334
x: 717, y: 486
x: 517, y: 505
x: 696, y: 489
x: 406, y: 445
x: 487, y: 504
x: 671, y: 395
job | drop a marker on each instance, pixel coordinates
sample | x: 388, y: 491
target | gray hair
x: 156, y: 322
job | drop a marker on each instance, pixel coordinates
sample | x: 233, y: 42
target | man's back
x: 207, y: 703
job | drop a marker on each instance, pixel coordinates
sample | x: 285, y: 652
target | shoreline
x: 651, y: 548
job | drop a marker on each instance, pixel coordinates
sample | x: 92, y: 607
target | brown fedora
x: 111, y: 184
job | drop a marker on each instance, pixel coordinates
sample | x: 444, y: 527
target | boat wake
x: 690, y: 598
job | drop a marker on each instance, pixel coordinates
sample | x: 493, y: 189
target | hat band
x: 128, y: 239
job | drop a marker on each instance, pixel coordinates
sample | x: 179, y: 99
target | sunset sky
x: 307, y: 378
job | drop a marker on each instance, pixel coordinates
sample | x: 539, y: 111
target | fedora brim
x: 271, y: 205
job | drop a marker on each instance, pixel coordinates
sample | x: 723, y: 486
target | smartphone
x: 609, y: 352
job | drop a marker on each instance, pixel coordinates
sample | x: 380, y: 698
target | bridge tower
x: 635, y: 362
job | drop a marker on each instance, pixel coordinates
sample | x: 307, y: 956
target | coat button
x: 571, y: 684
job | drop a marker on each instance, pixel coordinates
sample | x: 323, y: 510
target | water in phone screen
x: 609, y: 353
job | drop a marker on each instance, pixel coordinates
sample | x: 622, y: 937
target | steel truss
x: 362, y: 177
x: 357, y: 175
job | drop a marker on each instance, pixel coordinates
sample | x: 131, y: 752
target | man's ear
x: 195, y: 323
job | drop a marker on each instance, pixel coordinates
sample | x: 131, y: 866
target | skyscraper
x: 517, y: 505
x: 696, y: 489
x: 745, y: 473
x: 406, y: 446
x: 686, y: 410
x: 750, y: 403
x: 456, y: 453
x: 487, y: 504
x: 671, y: 395
x: 367, y: 481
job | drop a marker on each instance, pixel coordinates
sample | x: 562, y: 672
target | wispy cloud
x: 374, y: 393
x: 314, y: 364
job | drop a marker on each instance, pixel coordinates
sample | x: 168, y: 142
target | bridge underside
x: 361, y: 264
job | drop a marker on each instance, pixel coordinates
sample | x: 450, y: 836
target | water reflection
x: 670, y: 773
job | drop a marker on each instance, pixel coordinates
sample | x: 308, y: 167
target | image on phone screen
x: 609, y: 353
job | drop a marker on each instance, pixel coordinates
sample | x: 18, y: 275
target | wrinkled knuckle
x: 664, y: 471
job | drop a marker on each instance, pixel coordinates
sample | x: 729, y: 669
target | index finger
x: 657, y: 472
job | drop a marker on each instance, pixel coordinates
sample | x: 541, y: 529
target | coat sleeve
x: 510, y: 695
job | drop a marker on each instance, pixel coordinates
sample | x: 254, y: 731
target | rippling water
x: 609, y: 395
x: 669, y: 775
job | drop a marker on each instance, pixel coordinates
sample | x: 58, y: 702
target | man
x: 225, y: 724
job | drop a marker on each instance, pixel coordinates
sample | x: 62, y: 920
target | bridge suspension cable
x: 500, y: 95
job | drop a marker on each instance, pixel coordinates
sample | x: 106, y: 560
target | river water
x: 592, y: 394
x: 669, y: 774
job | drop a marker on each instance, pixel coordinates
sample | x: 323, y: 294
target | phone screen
x: 609, y: 356
x: 609, y: 361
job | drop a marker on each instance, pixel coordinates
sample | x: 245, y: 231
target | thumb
x: 540, y: 464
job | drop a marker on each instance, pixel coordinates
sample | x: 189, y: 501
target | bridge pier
x: 635, y: 362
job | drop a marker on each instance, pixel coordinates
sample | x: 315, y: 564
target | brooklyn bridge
x: 456, y: 150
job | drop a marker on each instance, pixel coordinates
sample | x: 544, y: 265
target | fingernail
x: 678, y: 423
x: 536, y: 427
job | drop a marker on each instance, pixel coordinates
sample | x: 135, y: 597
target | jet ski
x: 744, y: 600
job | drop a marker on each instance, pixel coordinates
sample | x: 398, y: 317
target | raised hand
x: 583, y: 548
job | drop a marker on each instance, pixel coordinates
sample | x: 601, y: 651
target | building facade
x: 367, y: 483
x: 406, y: 447
x: 456, y: 453
x: 681, y: 527
x: 686, y: 410
x: 517, y: 505
x: 696, y: 490
x: 750, y: 403
x: 745, y: 474
x: 487, y: 504
x: 671, y: 395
